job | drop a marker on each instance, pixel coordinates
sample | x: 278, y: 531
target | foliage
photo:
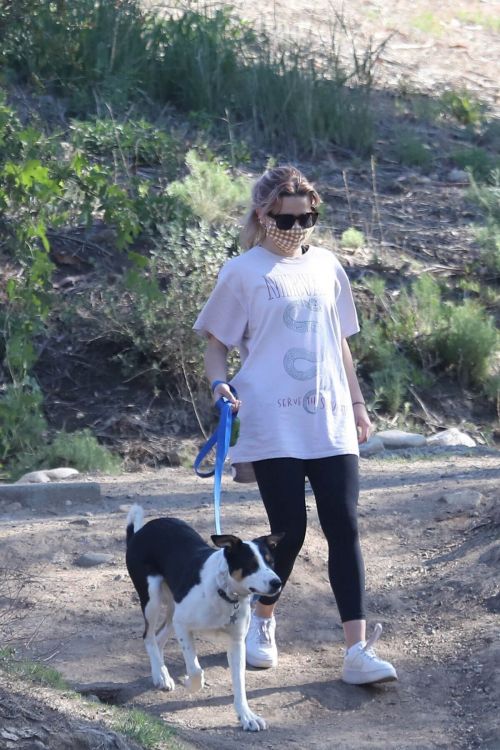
x: 202, y: 60
x: 463, y: 107
x: 24, y: 427
x: 209, y: 190
x: 149, y: 313
x: 81, y: 451
x: 147, y: 730
x: 409, y: 150
x: 475, y: 159
x: 488, y: 235
x: 352, y: 238
x: 414, y: 332
x: 465, y: 341
x: 133, y: 142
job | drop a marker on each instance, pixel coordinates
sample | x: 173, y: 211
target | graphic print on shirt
x: 304, y: 315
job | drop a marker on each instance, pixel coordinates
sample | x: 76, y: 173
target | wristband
x: 358, y: 402
x: 216, y: 383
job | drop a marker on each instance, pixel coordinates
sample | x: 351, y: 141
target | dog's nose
x: 275, y: 584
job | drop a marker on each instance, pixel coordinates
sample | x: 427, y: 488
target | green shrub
x: 352, y: 238
x: 204, y: 61
x: 209, y: 191
x: 81, y: 451
x: 137, y: 142
x: 410, y: 151
x: 466, y: 341
x: 148, y: 314
x: 390, y: 384
x: 480, y: 163
x: 463, y: 107
x: 24, y: 428
x: 488, y: 238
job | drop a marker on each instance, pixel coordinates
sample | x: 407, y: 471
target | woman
x: 287, y: 306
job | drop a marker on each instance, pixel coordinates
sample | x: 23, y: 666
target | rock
x: 80, y: 522
x: 462, y: 501
x: 372, y: 446
x: 47, y: 475
x: 90, y: 559
x: 453, y: 436
x: 399, y: 439
x: 458, y: 175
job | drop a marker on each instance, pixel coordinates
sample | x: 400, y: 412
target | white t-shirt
x: 287, y: 317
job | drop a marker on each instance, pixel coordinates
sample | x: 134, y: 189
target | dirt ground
x: 431, y: 579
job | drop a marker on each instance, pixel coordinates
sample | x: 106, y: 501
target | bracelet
x: 358, y: 402
x: 216, y: 383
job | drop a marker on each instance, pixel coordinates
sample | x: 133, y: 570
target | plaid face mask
x: 286, y: 240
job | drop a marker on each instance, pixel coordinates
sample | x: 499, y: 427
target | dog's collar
x: 224, y: 596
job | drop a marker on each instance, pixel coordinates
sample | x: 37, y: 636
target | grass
x: 475, y: 159
x: 150, y: 732
x: 490, y: 22
x: 428, y: 23
x: 409, y: 150
x: 204, y: 60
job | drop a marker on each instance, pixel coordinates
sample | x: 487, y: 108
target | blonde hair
x: 266, y: 193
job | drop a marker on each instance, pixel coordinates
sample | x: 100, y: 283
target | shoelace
x: 368, y: 647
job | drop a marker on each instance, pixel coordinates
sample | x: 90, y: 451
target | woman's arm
x: 363, y: 424
x: 216, y: 369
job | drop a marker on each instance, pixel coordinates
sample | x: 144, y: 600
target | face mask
x: 286, y: 240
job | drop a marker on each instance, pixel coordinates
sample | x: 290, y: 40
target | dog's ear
x: 273, y: 540
x: 226, y: 540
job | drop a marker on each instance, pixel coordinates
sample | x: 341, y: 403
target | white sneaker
x: 363, y: 667
x: 260, y: 642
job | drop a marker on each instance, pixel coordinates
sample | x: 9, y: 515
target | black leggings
x: 335, y: 484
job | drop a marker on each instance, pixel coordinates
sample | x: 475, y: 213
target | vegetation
x: 139, y: 182
x: 151, y: 733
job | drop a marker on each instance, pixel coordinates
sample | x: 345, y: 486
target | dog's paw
x: 195, y: 682
x: 251, y: 722
x: 163, y: 681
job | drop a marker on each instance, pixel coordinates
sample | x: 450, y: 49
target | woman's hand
x: 363, y: 425
x: 223, y: 390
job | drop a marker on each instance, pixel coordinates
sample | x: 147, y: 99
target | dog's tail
x: 135, y: 521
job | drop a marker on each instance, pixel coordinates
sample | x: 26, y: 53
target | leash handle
x: 220, y: 439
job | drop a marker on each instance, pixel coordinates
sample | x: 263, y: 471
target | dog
x: 203, y: 589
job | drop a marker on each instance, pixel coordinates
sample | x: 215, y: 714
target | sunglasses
x: 287, y: 221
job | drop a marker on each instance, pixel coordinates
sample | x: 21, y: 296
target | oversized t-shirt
x: 287, y: 318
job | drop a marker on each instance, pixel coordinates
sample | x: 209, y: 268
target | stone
x: 91, y: 559
x: 48, y: 475
x: 400, y: 439
x: 453, y: 436
x: 372, y: 446
x: 462, y: 500
x: 458, y: 175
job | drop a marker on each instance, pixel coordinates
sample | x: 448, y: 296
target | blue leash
x: 220, y: 439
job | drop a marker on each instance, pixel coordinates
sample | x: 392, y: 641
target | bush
x: 81, y: 451
x: 401, y: 342
x: 209, y: 191
x: 204, y: 61
x: 135, y: 142
x: 352, y: 238
x: 148, y: 314
x: 410, y: 151
x: 475, y: 159
x: 466, y: 341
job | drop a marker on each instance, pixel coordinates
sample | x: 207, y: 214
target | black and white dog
x: 203, y: 589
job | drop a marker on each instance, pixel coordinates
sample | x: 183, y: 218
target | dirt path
x: 430, y: 577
